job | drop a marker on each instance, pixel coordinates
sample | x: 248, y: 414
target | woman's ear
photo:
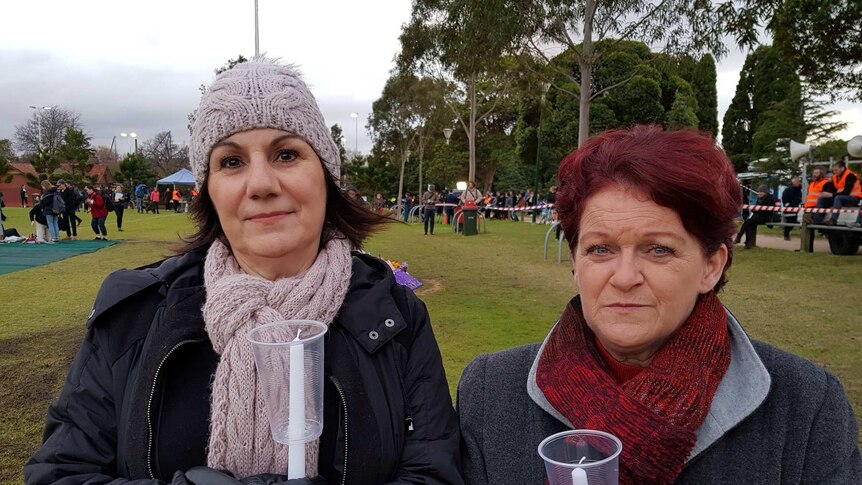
x: 713, y: 269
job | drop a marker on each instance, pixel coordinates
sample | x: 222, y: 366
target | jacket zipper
x: 344, y: 401
x: 150, y: 404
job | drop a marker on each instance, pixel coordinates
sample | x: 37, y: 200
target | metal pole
x: 256, y: 30
x: 356, y: 135
x: 538, y: 150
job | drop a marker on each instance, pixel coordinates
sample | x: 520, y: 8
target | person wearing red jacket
x: 99, y: 212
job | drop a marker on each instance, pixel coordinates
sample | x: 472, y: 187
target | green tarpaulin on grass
x: 18, y: 256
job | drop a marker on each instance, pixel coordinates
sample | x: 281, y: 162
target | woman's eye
x: 230, y: 162
x: 287, y: 156
x: 661, y: 250
x: 598, y: 250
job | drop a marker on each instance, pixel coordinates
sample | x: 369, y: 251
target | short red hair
x: 682, y: 170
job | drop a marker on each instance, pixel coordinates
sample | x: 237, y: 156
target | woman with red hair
x: 646, y: 351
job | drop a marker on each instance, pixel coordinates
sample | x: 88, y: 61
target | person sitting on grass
x: 647, y: 351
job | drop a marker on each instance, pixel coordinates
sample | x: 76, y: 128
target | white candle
x: 579, y: 477
x: 296, y: 416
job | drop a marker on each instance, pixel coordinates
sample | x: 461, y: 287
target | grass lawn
x: 484, y: 294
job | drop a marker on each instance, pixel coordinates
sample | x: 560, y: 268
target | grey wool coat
x: 774, y: 419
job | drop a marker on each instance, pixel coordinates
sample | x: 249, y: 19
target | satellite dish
x: 854, y: 146
x: 798, y: 150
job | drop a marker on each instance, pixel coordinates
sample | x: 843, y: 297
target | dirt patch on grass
x: 33, y: 368
x: 429, y: 286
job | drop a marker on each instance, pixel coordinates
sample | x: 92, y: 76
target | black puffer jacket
x: 136, y: 401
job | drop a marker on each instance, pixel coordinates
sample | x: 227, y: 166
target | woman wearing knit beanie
x: 647, y: 351
x: 164, y: 388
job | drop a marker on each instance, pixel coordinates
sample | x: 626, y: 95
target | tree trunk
x: 586, y: 66
x: 471, y: 134
x: 490, y: 171
x: 421, y: 157
x: 398, y: 206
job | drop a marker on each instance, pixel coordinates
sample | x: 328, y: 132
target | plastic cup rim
x: 581, y: 431
x: 301, y: 341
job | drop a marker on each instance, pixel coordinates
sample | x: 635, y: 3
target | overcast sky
x: 136, y: 66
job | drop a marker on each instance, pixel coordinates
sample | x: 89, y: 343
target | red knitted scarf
x: 655, y: 414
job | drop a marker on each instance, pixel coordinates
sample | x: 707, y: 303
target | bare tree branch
x: 612, y: 86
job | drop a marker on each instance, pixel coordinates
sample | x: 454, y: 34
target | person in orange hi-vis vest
x: 820, y: 187
x: 848, y: 192
x: 176, y: 198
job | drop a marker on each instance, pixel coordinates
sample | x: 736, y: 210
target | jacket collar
x: 179, y: 272
x: 742, y: 390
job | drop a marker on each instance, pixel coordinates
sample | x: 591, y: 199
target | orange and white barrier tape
x: 506, y: 209
x: 807, y: 210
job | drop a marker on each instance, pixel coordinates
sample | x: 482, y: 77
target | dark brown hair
x: 343, y: 216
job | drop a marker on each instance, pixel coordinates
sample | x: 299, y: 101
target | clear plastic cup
x: 581, y: 457
x: 289, y: 360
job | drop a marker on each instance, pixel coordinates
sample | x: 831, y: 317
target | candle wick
x: 582, y: 460
x: 298, y: 331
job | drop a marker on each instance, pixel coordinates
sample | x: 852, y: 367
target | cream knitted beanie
x: 260, y: 93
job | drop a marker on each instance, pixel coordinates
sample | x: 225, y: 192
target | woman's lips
x: 625, y: 307
x: 268, y: 217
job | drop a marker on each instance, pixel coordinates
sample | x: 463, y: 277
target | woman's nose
x: 627, y: 273
x: 262, y: 180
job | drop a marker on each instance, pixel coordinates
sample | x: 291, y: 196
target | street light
x: 39, y: 123
x: 447, y: 132
x: 134, y: 136
x: 355, y: 117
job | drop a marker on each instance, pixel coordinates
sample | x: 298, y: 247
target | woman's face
x: 269, y: 191
x: 639, y: 272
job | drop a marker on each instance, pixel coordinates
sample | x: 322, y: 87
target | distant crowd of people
x: 842, y: 189
x: 148, y: 199
x: 58, y: 205
x: 501, y: 205
x: 494, y: 204
x: 55, y: 208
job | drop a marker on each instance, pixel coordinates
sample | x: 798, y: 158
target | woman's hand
x: 202, y: 475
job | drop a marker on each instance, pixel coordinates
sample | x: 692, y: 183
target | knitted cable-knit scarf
x: 655, y: 414
x: 240, y: 438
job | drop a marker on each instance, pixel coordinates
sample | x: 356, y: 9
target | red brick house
x: 12, y: 190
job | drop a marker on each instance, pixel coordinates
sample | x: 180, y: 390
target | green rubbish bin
x: 471, y: 222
